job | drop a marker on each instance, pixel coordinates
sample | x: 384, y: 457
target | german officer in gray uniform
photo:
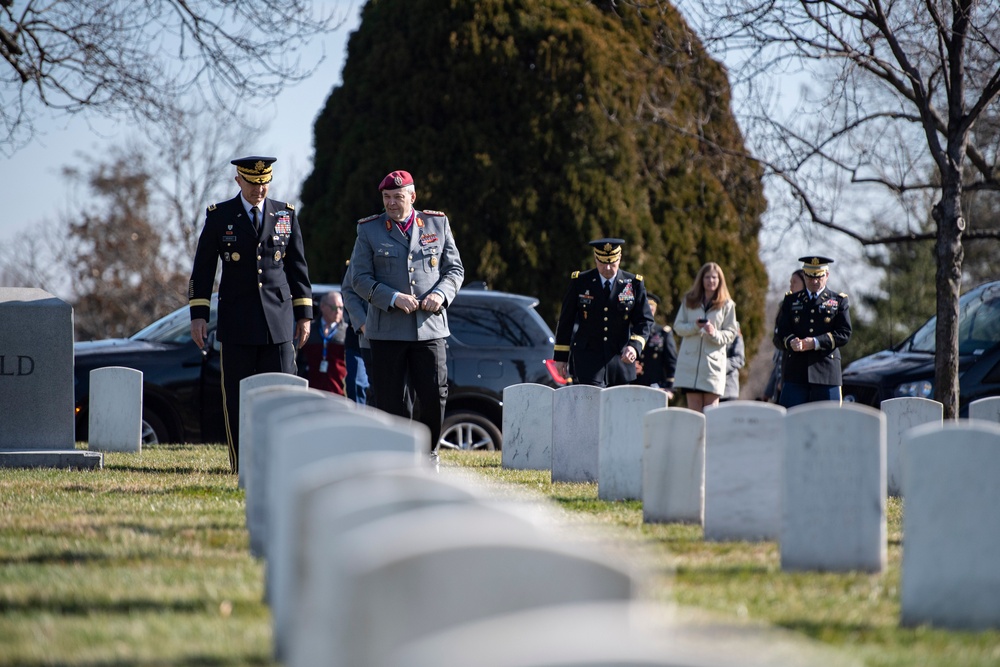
x: 610, y: 314
x: 265, y: 299
x: 406, y: 265
x: 812, y: 327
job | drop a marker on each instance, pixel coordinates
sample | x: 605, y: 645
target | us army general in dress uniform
x: 265, y: 299
x: 602, y: 330
x: 812, y: 327
x: 406, y: 265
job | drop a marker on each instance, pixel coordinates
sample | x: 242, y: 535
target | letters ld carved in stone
x: 16, y: 364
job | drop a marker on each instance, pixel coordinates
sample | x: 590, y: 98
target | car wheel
x: 469, y: 431
x: 154, y: 431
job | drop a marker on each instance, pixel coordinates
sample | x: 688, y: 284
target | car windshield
x: 978, y: 323
x: 173, y: 328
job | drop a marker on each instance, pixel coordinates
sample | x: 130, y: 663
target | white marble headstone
x: 115, y: 410
x: 527, y: 427
x: 833, y: 505
x: 333, y: 498
x: 301, y: 445
x: 744, y: 448
x: 420, y: 572
x: 270, y: 408
x: 673, y: 466
x: 902, y: 414
x: 951, y: 526
x: 986, y: 409
x: 247, y: 385
x: 576, y: 418
x: 620, y: 445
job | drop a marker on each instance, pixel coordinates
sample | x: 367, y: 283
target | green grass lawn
x: 147, y: 563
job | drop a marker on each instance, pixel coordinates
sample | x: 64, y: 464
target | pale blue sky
x: 38, y: 193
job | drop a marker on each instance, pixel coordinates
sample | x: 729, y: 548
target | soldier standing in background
x: 812, y: 327
x: 658, y: 361
x: 604, y: 322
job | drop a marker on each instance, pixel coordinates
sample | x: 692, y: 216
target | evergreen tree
x: 538, y: 125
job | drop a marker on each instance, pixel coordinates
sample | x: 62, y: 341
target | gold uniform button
x: 605, y: 339
x: 411, y: 269
x: 413, y: 282
x: 260, y: 284
x: 259, y: 271
x: 605, y: 319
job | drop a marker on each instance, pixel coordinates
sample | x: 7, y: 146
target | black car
x: 498, y: 339
x: 908, y: 368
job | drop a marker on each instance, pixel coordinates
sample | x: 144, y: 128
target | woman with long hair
x: 706, y: 324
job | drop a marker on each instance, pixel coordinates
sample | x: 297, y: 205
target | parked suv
x: 498, y: 339
x: 908, y: 368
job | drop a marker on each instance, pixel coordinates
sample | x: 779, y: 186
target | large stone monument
x: 36, y: 382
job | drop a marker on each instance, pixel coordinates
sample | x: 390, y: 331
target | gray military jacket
x: 384, y: 262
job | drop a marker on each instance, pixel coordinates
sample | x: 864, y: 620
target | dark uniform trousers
x: 813, y: 375
x: 242, y: 361
x: 394, y: 360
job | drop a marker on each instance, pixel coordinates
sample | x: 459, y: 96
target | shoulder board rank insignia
x: 638, y: 277
x: 433, y: 212
x: 843, y: 295
x: 212, y: 207
x: 575, y: 275
x: 290, y: 206
x: 369, y: 218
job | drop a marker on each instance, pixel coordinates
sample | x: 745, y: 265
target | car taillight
x: 550, y: 364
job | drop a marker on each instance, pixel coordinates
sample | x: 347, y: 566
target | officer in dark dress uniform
x: 812, y: 327
x: 265, y: 298
x: 658, y: 360
x: 605, y: 321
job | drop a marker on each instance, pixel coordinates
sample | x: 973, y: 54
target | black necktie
x: 254, y: 212
x: 607, y: 290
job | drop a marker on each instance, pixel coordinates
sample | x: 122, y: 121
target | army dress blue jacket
x: 828, y: 321
x: 592, y: 331
x: 264, y: 288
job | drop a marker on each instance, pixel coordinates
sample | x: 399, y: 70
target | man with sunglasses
x: 812, y: 327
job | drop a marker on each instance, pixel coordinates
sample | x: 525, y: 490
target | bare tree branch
x: 144, y: 58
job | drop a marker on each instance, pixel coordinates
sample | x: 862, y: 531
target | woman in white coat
x: 706, y: 324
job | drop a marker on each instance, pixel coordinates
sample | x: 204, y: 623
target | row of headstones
x: 814, y: 479
x: 372, y: 558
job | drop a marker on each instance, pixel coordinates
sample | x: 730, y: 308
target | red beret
x: 395, y: 180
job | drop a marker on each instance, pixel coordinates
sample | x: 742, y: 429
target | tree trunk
x: 949, y: 253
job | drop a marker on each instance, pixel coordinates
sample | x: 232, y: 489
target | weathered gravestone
x: 833, y: 502
x: 300, y: 445
x: 673, y: 466
x: 36, y: 382
x: 951, y: 526
x: 422, y: 571
x: 333, y: 498
x: 620, y: 444
x: 527, y: 427
x: 744, y: 448
x: 249, y: 384
x: 986, y: 409
x: 115, y: 410
x: 576, y: 418
x: 902, y: 414
x: 270, y: 408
